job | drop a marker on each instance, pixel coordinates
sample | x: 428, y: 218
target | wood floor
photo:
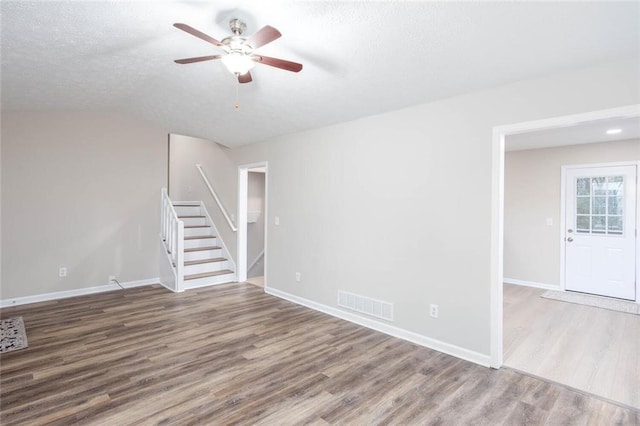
x: 588, y: 348
x: 234, y: 355
x: 259, y: 281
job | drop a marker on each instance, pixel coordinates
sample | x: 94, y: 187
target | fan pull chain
x: 237, y: 86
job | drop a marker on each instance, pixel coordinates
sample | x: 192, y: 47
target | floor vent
x: 366, y: 305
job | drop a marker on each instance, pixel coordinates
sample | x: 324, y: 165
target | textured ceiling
x: 360, y: 58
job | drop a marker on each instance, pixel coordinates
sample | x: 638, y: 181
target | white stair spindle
x: 180, y: 255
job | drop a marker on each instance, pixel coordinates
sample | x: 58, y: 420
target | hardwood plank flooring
x: 592, y: 349
x: 259, y: 281
x: 231, y: 354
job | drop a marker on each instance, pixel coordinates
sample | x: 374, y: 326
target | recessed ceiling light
x: 614, y: 131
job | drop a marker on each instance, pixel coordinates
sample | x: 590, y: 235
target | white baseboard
x: 72, y: 293
x: 382, y: 327
x: 531, y: 284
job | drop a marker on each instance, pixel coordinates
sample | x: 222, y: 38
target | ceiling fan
x: 239, y: 52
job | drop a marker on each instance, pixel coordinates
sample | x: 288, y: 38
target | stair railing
x: 215, y: 197
x: 256, y: 260
x: 172, y: 233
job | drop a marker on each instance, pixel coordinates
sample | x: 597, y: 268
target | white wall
x: 255, y: 231
x: 0, y: 213
x: 398, y: 206
x: 79, y: 190
x: 532, y: 194
x: 186, y: 184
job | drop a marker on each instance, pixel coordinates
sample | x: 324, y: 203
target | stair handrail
x: 172, y: 233
x: 216, y: 198
x: 256, y: 260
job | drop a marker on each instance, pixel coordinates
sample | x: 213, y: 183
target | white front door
x: 600, y: 236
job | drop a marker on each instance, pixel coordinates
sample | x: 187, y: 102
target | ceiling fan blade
x: 264, y: 35
x: 278, y: 63
x: 245, y: 78
x: 196, y: 33
x: 198, y: 59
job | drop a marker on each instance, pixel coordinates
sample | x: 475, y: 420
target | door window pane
x: 599, y: 205
x: 599, y: 185
x: 615, y: 185
x: 583, y: 205
x: 583, y: 186
x: 598, y: 223
x: 599, y: 202
x: 615, y: 225
x: 615, y: 206
x: 583, y: 223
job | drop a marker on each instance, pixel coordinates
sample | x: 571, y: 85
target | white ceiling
x: 591, y: 132
x: 360, y: 58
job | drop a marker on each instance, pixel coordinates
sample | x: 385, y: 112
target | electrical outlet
x: 433, y: 311
x: 298, y: 277
x: 62, y: 272
x: 276, y: 220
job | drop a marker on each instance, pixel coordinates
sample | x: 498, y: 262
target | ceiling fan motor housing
x: 235, y: 43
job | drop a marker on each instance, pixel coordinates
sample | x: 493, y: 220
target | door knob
x: 569, y: 239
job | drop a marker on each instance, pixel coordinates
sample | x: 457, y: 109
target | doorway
x: 600, y: 229
x: 252, y: 223
x: 565, y: 336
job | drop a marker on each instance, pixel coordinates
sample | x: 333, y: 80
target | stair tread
x: 197, y: 226
x: 197, y: 237
x: 202, y: 261
x: 191, y: 217
x: 185, y: 205
x: 208, y: 274
x: 202, y: 248
x: 199, y: 262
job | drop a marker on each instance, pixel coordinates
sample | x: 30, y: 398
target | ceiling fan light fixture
x: 237, y: 63
x: 239, y: 57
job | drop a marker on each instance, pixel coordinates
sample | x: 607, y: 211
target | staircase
x: 205, y: 262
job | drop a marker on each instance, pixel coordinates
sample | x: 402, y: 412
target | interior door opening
x: 500, y: 134
x: 252, y: 223
x: 565, y: 347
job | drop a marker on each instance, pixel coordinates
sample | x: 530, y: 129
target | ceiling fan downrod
x: 237, y: 26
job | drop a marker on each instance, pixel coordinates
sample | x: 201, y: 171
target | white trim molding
x: 531, y: 284
x: 382, y: 327
x: 73, y: 293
